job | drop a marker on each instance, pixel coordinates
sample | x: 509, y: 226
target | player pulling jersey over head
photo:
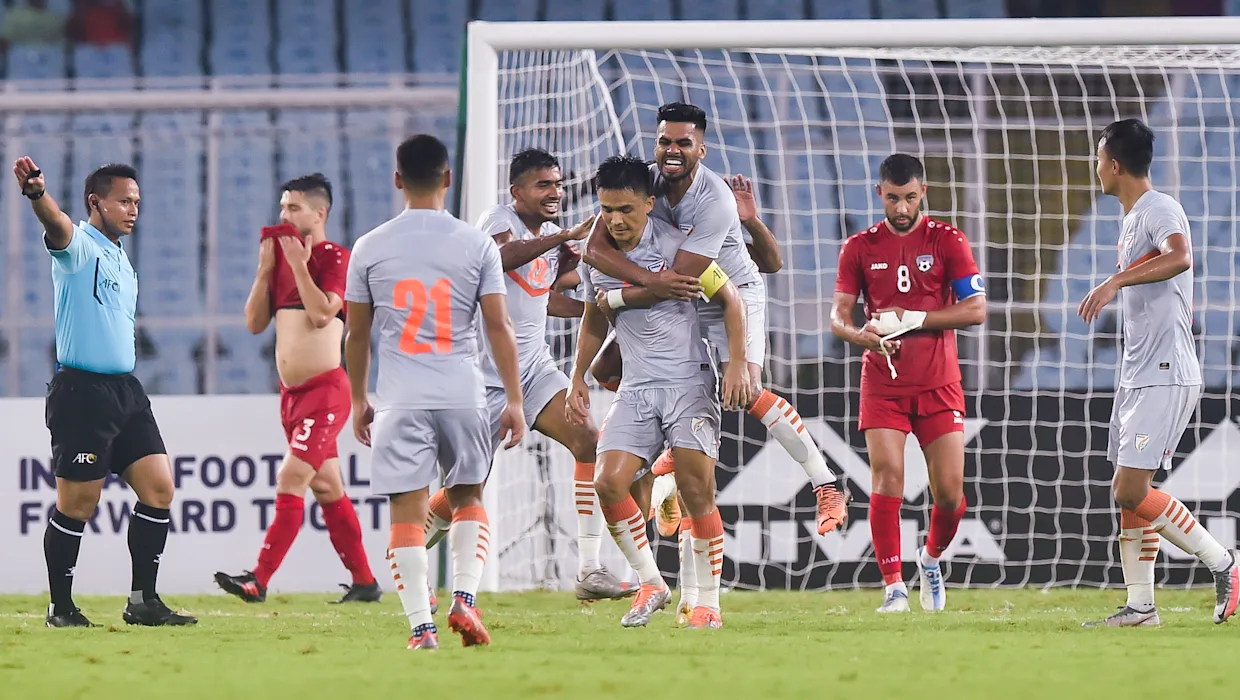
x: 704, y: 207
x: 920, y: 284
x: 300, y: 283
x: 1160, y: 377
x: 421, y: 278
x: 666, y: 395
x: 536, y: 255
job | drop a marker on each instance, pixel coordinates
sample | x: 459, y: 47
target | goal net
x: 1008, y: 136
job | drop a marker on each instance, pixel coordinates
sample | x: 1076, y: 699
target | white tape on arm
x: 615, y: 299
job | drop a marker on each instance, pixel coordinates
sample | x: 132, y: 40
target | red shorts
x: 314, y: 413
x: 928, y: 416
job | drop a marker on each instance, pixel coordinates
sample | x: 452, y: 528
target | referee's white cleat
x: 933, y: 593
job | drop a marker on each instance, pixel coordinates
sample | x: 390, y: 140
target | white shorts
x: 1147, y: 423
x: 710, y: 317
x: 540, y: 383
x: 409, y: 446
x: 641, y: 421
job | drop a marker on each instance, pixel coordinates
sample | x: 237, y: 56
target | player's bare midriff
x: 303, y: 351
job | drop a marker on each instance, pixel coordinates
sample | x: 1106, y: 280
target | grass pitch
x: 991, y: 644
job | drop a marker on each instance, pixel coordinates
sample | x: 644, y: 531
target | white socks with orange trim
x: 1138, y: 548
x: 784, y: 423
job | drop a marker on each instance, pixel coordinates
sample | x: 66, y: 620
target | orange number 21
x: 411, y: 294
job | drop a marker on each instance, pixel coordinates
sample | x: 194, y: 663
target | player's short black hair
x: 682, y: 113
x: 99, y: 183
x: 528, y: 160
x: 1131, y: 143
x: 422, y: 161
x: 314, y: 185
x: 623, y: 173
x: 900, y: 169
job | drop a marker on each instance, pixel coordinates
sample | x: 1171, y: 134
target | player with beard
x: 300, y: 284
x: 920, y: 284
x: 538, y: 257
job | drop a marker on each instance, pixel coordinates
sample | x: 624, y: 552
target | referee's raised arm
x: 96, y: 411
x: 56, y: 223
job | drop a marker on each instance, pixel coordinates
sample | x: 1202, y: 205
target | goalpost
x: 1005, y: 114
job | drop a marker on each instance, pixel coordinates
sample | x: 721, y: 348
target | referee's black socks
x: 61, y: 542
x: 148, y: 532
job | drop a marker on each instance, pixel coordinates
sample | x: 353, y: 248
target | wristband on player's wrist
x: 615, y: 299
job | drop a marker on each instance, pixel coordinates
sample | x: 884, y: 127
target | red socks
x: 885, y: 532
x: 943, y: 524
x: 290, y: 511
x: 345, y: 532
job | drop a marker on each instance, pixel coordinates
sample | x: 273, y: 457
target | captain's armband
x: 712, y: 280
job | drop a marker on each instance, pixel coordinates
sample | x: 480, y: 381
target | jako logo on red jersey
x: 878, y: 266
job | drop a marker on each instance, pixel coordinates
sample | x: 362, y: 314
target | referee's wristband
x: 33, y: 197
x: 615, y: 299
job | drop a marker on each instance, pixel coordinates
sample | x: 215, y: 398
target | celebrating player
x: 299, y: 283
x: 666, y: 395
x: 703, y: 206
x: 536, y: 256
x: 920, y: 284
x: 1159, y: 380
x: 422, y: 277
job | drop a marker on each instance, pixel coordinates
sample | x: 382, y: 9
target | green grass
x: 992, y: 644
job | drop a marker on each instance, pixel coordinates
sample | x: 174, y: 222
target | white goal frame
x: 486, y: 39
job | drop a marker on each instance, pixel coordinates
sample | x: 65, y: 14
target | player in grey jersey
x: 538, y: 258
x: 420, y: 279
x: 699, y: 202
x: 667, y: 394
x: 1160, y: 378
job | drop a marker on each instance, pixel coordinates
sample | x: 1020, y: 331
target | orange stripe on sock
x: 622, y: 511
x: 476, y: 514
x: 1130, y: 520
x: 1155, y: 503
x: 708, y: 527
x: 763, y: 404
x: 1147, y: 558
x: 439, y: 505
x: 686, y: 525
x: 1190, y: 527
x: 584, y: 471
x: 406, y: 535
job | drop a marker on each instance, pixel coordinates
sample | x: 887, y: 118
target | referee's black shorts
x: 99, y: 423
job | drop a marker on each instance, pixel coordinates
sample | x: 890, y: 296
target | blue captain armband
x: 968, y: 286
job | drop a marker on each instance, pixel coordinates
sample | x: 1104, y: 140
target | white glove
x: 664, y: 488
x: 889, y: 326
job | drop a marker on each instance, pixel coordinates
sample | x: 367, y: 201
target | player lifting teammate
x: 421, y: 278
x: 666, y: 395
x: 699, y: 202
x: 537, y: 256
x: 920, y: 284
x: 300, y: 283
x: 1160, y: 377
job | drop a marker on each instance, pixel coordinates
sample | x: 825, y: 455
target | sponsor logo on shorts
x: 85, y: 458
x: 1143, y: 441
x: 959, y: 417
x: 925, y: 262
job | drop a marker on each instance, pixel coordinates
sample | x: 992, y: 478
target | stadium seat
x: 507, y: 10
x: 370, y: 149
x: 169, y: 239
x: 840, y: 9
x: 710, y: 10
x: 243, y: 363
x: 309, y: 142
x: 173, y: 368
x: 964, y: 9
x: 374, y: 43
x: 36, y: 62
x: 36, y: 351
x: 633, y: 10
x: 44, y: 142
x: 172, y: 54
x: 576, y: 11
x: 248, y: 199
x: 908, y: 9
x: 241, y: 42
x: 1231, y: 8
x: 438, y: 30
x: 306, y: 38
x: 102, y: 62
x: 774, y: 9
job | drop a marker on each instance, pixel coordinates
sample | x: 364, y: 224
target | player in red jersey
x: 300, y: 283
x: 920, y: 284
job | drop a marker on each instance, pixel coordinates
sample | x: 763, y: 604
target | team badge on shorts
x: 925, y: 262
x: 697, y: 424
x: 1142, y: 441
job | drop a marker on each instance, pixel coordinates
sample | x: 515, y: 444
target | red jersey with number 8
x: 914, y: 271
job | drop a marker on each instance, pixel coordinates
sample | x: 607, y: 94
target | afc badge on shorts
x: 925, y: 262
x: 1143, y: 441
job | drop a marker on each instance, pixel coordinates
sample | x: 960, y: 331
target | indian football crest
x: 925, y: 262
x: 1143, y: 441
x: 697, y: 424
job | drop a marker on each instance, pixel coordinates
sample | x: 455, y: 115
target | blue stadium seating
x: 172, y: 38
x: 507, y: 10
x: 243, y: 365
x: 173, y: 368
x: 247, y: 201
x: 908, y: 9
x: 168, y: 242
x: 102, y: 62
x: 371, y: 148
x: 962, y: 9
x: 309, y: 142
x: 44, y: 143
x: 709, y: 9
x: 241, y: 38
x: 36, y: 351
x: 36, y: 62
x: 438, y: 30
x: 774, y: 9
x: 575, y: 11
x: 840, y: 9
x: 374, y: 39
x: 643, y: 9
x: 306, y: 40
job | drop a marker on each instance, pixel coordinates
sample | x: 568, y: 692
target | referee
x: 97, y: 412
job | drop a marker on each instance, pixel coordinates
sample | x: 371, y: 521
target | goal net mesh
x: 1008, y: 138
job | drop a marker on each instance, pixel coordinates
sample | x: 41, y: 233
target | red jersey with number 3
x: 328, y: 265
x: 915, y: 272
